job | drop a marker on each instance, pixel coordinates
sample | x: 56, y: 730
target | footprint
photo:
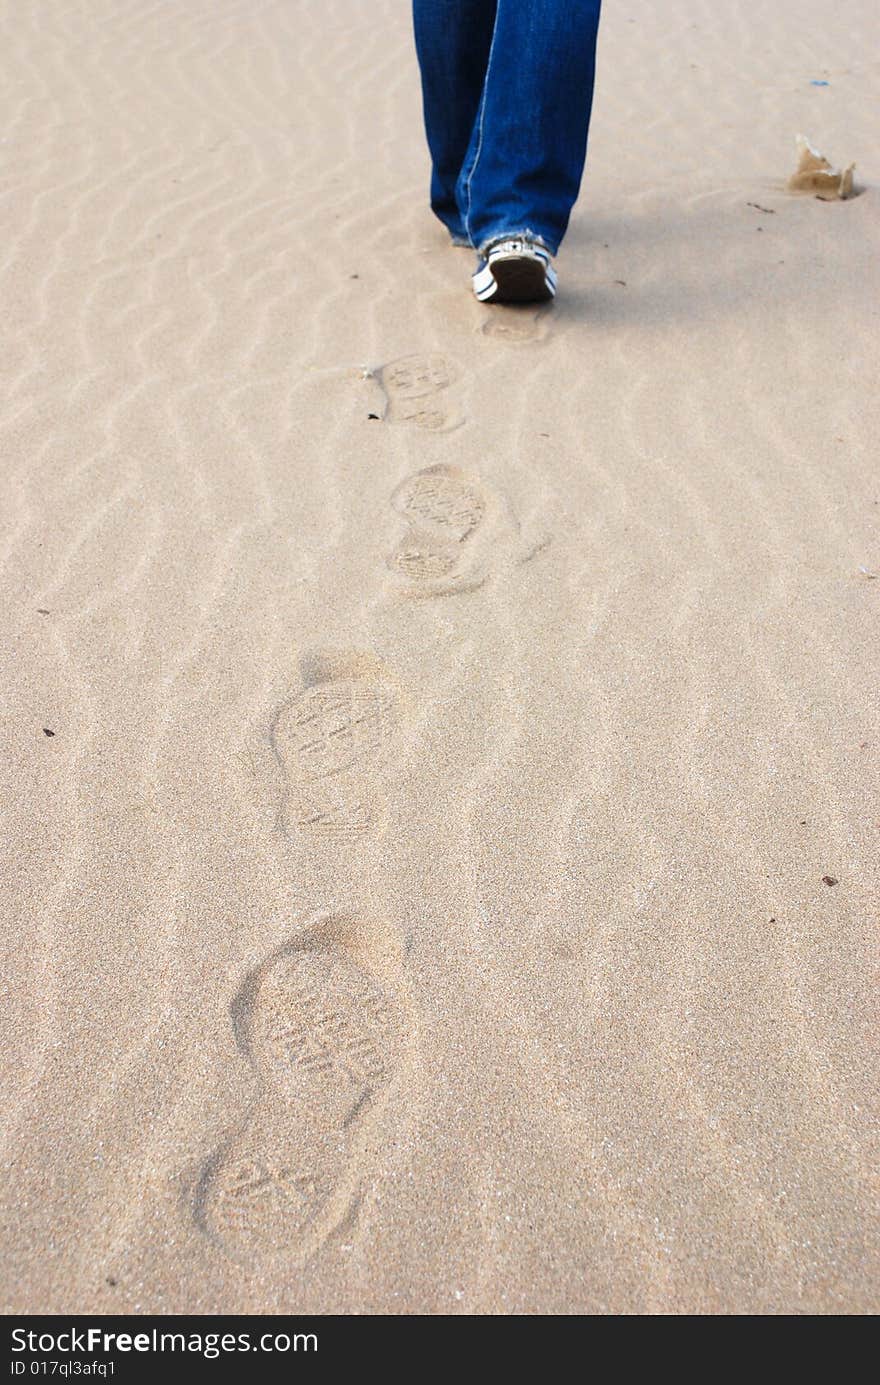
x: 515, y: 325
x: 325, y: 1026
x: 327, y: 739
x: 443, y: 500
x: 417, y: 392
x: 327, y: 812
x: 445, y: 548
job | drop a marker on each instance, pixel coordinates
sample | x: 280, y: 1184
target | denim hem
x: 523, y: 233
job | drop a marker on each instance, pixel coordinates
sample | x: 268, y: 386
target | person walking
x: 507, y: 88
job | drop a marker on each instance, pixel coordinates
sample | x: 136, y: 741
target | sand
x: 441, y: 742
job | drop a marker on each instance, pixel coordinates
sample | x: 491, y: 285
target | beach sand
x: 440, y: 742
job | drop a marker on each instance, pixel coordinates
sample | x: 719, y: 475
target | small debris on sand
x: 815, y: 174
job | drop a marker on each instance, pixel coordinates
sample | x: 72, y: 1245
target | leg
x: 524, y: 164
x: 453, y: 38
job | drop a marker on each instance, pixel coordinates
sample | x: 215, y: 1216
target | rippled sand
x: 441, y: 741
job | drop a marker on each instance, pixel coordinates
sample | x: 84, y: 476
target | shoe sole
x: 517, y: 279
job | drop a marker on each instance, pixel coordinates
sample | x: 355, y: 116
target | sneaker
x: 515, y: 271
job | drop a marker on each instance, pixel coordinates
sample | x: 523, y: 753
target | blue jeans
x: 507, y: 88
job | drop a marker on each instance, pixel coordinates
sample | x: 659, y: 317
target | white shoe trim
x: 484, y: 282
x: 517, y: 250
